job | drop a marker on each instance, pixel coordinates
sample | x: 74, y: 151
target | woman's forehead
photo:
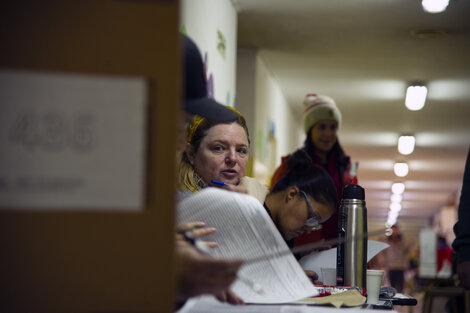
x: 227, y: 132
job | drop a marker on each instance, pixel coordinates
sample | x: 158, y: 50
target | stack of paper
x: 245, y: 230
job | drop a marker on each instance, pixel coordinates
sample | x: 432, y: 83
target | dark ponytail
x: 312, y: 179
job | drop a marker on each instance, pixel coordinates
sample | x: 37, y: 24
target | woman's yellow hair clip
x: 197, y: 121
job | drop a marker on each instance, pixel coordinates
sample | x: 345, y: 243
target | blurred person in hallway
x: 444, y: 258
x: 322, y: 119
x: 395, y: 259
x: 446, y: 218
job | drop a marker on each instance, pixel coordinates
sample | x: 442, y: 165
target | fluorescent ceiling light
x: 400, y: 169
x: 396, y: 198
x: 435, y: 6
x: 391, y: 219
x: 394, y: 208
x: 398, y: 188
x: 415, y: 97
x: 406, y: 144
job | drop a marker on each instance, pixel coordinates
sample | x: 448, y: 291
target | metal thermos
x: 352, y: 226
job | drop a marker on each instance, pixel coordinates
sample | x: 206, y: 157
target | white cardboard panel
x: 72, y: 141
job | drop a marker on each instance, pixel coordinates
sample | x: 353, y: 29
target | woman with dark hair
x: 322, y: 118
x: 302, y: 199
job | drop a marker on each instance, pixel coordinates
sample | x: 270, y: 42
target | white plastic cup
x: 374, y: 282
x: 328, y: 275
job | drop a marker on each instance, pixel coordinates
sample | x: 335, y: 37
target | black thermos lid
x: 353, y: 192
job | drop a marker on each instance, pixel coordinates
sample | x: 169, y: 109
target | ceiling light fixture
x: 395, y: 207
x: 395, y: 198
x: 416, y: 96
x: 406, y: 144
x: 435, y: 6
x: 398, y: 188
x: 391, y: 219
x: 400, y: 169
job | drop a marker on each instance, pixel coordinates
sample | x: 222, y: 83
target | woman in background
x: 322, y: 118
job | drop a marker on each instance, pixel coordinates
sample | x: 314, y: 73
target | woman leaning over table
x: 322, y: 118
x: 303, y: 199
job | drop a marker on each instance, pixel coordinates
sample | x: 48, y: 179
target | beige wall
x: 262, y: 102
x: 205, y: 21
x: 242, y: 79
x: 246, y: 69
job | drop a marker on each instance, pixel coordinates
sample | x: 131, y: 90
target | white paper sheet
x: 327, y: 258
x: 245, y: 230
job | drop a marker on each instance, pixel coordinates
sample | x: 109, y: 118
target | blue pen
x: 220, y: 183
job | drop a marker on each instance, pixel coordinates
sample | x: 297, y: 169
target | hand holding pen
x: 197, y: 230
x: 190, y: 235
x: 198, y: 273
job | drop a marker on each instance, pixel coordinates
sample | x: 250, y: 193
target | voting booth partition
x: 89, y: 107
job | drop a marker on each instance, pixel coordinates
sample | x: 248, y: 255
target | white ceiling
x: 362, y: 53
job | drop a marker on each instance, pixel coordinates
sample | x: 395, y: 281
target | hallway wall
x: 275, y: 130
x: 213, y: 26
x: 241, y: 78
